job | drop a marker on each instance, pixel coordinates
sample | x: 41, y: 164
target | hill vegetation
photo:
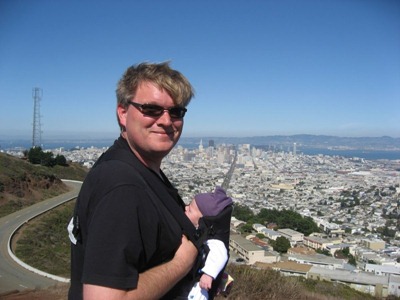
x: 23, y: 184
x: 37, y: 156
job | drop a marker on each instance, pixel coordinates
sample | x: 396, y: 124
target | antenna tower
x: 37, y: 130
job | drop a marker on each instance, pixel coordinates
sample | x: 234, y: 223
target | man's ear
x: 122, y: 114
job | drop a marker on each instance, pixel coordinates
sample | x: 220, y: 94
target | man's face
x: 151, y: 138
x: 193, y: 212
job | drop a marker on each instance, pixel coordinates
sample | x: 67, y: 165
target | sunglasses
x: 153, y: 110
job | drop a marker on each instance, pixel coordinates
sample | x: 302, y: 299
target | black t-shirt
x: 125, y: 228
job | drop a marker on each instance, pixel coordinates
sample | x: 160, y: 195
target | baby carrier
x: 215, y: 227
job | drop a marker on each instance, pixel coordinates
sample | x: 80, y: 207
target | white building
x: 382, y: 270
x: 292, y: 235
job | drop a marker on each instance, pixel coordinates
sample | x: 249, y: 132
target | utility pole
x: 37, y: 130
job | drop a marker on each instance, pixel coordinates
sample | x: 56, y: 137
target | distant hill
x: 305, y: 141
x: 23, y: 184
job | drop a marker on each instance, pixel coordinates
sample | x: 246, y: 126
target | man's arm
x: 153, y: 283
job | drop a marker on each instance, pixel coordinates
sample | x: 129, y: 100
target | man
x: 127, y: 242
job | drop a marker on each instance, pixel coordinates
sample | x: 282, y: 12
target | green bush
x: 36, y: 156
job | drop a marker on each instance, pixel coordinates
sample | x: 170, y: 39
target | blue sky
x: 258, y: 67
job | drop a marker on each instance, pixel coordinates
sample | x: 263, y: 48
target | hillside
x: 23, y: 184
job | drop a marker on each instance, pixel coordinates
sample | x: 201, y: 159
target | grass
x: 44, y: 243
x: 12, y: 206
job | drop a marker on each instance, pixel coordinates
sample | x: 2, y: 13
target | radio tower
x: 37, y: 130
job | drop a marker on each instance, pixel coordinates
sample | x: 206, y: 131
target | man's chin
x: 164, y: 146
x: 167, y: 139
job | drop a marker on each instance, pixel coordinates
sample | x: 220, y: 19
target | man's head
x: 208, y: 205
x: 151, y: 104
x: 161, y: 75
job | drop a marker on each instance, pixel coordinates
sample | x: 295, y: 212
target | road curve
x: 14, y: 274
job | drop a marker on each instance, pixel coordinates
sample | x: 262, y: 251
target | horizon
x: 111, y: 135
x: 259, y: 69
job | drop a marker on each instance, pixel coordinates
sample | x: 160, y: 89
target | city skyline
x: 259, y: 69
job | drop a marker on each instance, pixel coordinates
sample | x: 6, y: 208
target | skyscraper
x: 211, y: 143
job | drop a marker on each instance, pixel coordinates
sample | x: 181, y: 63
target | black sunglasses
x: 153, y: 110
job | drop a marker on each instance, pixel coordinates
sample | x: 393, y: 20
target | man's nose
x: 165, y: 118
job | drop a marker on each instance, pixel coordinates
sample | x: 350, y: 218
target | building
x: 394, y: 285
x: 292, y: 235
x: 373, y: 244
x: 382, y: 270
x: 269, y: 233
x: 367, y: 283
x: 319, y: 243
x: 287, y: 268
x: 332, y: 248
x: 235, y: 223
x: 319, y: 260
x: 250, y: 252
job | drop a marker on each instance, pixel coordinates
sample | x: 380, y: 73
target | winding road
x: 14, y: 274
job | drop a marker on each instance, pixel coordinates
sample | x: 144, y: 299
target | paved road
x: 228, y: 176
x: 12, y: 275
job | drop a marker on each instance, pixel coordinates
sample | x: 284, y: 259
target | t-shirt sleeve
x: 114, y: 249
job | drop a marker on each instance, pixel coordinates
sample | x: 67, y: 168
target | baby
x: 209, y: 205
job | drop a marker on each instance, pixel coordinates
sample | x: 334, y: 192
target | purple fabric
x: 211, y: 204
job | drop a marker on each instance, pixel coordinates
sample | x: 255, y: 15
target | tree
x: 242, y: 212
x: 246, y: 228
x: 283, y: 219
x: 281, y: 244
x: 324, y: 252
x: 346, y: 251
x: 35, y: 155
x: 61, y: 160
x: 352, y: 260
x: 47, y: 159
